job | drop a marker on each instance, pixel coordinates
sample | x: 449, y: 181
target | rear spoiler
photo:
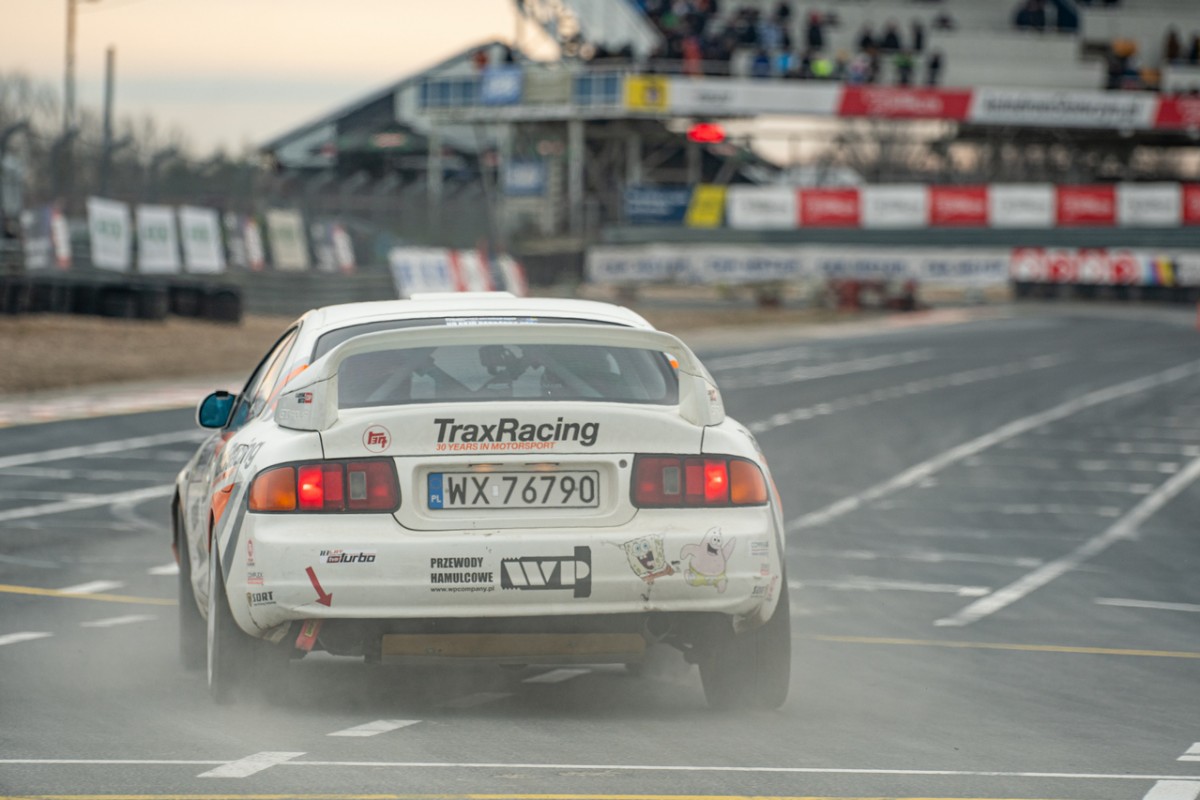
x: 311, y: 404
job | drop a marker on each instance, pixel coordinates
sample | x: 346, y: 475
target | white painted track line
x: 1124, y: 528
x: 556, y: 676
x: 809, y: 373
x: 1174, y: 790
x: 170, y: 568
x: 92, y: 587
x: 95, y: 501
x: 918, y: 472
x: 857, y: 583
x: 1192, y: 754
x: 375, y: 728
x: 24, y: 636
x: 477, y: 699
x: 100, y: 448
x: 112, y: 622
x: 249, y: 765
x: 1151, y: 604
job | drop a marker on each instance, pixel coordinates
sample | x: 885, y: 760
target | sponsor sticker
x: 759, y: 547
x: 260, y: 598
x: 377, y: 438
x: 509, y: 433
x: 340, y: 556
x: 304, y: 398
x: 254, y: 578
x: 549, y: 573
x: 460, y: 574
x: 249, y: 552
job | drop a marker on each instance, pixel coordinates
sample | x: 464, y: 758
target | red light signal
x: 706, y: 133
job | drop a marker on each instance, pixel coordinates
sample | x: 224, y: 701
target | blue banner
x: 656, y: 205
x: 525, y: 178
x: 500, y: 86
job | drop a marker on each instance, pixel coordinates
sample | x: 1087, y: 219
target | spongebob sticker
x: 648, y: 558
x: 708, y: 559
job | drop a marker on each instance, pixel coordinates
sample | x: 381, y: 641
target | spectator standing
x: 761, y: 66
x: 890, y: 42
x: 1173, y: 46
x: 815, y: 32
x: 933, y: 68
x: 1194, y: 50
x: 918, y: 36
x: 904, y: 67
x: 944, y: 22
x: 866, y: 39
x: 859, y: 69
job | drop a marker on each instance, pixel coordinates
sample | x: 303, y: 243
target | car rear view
x: 521, y: 492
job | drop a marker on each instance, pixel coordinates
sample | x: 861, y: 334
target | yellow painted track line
x: 106, y: 598
x: 1032, y: 648
x: 459, y: 797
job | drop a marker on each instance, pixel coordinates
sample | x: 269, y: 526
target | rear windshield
x: 482, y: 373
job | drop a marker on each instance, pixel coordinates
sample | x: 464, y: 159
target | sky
x: 235, y: 73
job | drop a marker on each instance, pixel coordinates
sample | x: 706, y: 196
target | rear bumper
x: 368, y: 568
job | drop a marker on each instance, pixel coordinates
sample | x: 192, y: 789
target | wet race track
x: 992, y: 548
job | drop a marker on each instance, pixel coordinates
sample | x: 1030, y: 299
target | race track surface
x: 993, y: 556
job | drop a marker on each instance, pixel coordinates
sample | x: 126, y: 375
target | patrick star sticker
x: 708, y: 560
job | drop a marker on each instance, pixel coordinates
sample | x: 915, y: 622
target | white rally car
x: 479, y: 476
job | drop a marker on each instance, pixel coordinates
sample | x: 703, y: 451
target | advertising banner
x: 244, y: 242
x: 157, y: 242
x: 110, y: 233
x: 895, y: 206
x: 1086, y: 205
x: 1029, y: 205
x: 761, y: 207
x: 1063, y: 109
x: 1178, y: 113
x: 717, y: 97
x: 829, y: 208
x: 647, y: 93
x: 289, y: 248
x: 500, y: 86
x: 200, y: 230
x: 525, y: 178
x: 1191, y: 203
x: 1149, y: 205
x: 896, y: 102
x: 656, y: 205
x: 958, y: 206
x: 512, y: 275
x: 707, y: 207
x: 470, y: 271
x: 421, y: 269
x: 47, y: 239
x: 1102, y: 267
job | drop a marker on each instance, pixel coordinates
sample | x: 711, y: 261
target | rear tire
x: 192, y: 632
x: 229, y: 654
x: 751, y: 670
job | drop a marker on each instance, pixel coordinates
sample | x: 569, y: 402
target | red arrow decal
x: 322, y: 598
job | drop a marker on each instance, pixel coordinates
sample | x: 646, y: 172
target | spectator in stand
x: 692, y: 57
x: 761, y: 66
x: 1173, y: 46
x: 815, y: 32
x: 890, y: 42
x: 1194, y: 51
x: 770, y: 36
x: 841, y: 65
x: 866, y: 39
x: 1030, y: 15
x: 904, y: 67
x: 918, y: 36
x: 859, y: 70
x: 783, y: 15
x: 944, y: 22
x: 933, y: 68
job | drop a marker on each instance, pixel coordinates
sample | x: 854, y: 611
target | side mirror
x: 214, y: 410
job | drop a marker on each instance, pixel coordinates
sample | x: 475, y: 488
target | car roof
x: 471, y: 304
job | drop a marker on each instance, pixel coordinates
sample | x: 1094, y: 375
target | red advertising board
x: 965, y: 206
x: 1191, y: 204
x: 894, y: 102
x: 1178, y: 113
x: 829, y: 208
x: 1086, y: 205
x: 1086, y: 266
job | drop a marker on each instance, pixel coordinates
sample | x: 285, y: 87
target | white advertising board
x: 289, y: 247
x: 421, y: 269
x: 1149, y: 205
x: 110, y: 234
x: 898, y: 206
x: 761, y: 207
x: 721, y: 96
x: 1062, y: 109
x: 200, y: 231
x: 1021, y: 205
x: 157, y: 241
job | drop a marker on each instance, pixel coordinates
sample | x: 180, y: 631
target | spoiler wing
x: 312, y: 403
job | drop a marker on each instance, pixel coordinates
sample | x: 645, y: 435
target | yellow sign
x: 707, y: 207
x: 646, y: 93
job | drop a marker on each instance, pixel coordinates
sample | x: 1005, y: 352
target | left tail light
x: 361, y: 485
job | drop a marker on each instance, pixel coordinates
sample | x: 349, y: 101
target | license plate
x: 484, y: 490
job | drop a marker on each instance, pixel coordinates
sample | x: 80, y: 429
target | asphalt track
x: 994, y: 562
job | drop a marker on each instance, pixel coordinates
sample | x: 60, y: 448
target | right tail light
x: 697, y: 481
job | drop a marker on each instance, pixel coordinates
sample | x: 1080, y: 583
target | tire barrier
x: 118, y: 300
